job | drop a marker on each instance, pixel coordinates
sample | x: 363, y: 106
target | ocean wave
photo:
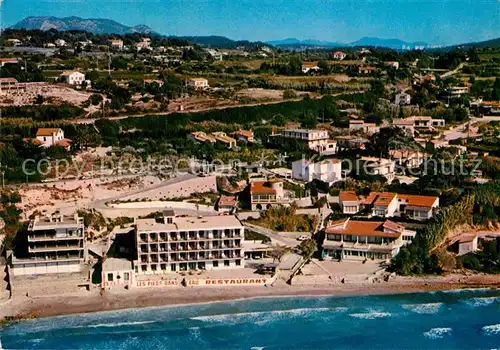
x: 117, y: 324
x: 437, y: 333
x: 430, y: 308
x: 463, y: 290
x: 264, y: 316
x: 484, y: 301
x: 371, y: 315
x: 492, y: 330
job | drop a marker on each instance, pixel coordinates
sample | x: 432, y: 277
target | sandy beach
x: 84, y: 302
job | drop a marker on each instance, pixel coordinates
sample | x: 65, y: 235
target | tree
x: 39, y: 99
x: 324, y: 66
x: 495, y: 94
x: 118, y: 62
x: 278, y: 252
x: 294, y: 66
x: 95, y: 99
x: 307, y: 248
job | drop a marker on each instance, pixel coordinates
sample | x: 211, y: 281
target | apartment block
x: 55, y: 244
x: 183, y: 243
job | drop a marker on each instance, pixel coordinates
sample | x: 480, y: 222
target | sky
x: 438, y: 22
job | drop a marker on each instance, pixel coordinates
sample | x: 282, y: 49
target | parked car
x: 303, y: 238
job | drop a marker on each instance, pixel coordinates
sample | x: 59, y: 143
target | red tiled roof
x: 418, y: 201
x: 348, y: 196
x: 391, y: 225
x: 47, y: 131
x: 381, y: 199
x: 33, y: 141
x: 309, y: 64
x: 364, y: 228
x: 8, y: 80
x: 261, y: 187
x: 64, y: 143
x: 246, y: 133
x: 228, y: 201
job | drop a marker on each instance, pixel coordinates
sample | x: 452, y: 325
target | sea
x: 458, y: 319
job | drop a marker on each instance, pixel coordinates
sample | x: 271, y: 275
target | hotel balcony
x: 34, y: 249
x: 54, y: 237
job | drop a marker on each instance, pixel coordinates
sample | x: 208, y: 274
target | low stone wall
x: 311, y: 280
x: 54, y: 284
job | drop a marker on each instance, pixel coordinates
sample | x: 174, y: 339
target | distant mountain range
x: 366, y: 41
x: 93, y: 25
x: 222, y: 42
x: 108, y: 26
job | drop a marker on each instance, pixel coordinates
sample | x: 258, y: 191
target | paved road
x: 289, y: 242
x: 458, y: 131
x: 92, y: 120
x: 453, y: 72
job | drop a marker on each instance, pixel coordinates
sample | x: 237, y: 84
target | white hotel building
x: 315, y: 139
x: 55, y: 244
x: 181, y: 243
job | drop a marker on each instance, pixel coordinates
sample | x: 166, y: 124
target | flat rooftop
x: 45, y: 223
x: 190, y: 223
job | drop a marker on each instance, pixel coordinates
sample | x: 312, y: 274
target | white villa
x: 198, y: 83
x: 328, y: 171
x: 360, y: 240
x: 48, y: 137
x: 73, y: 78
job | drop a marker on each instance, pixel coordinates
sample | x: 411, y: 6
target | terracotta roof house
x: 309, y: 66
x: 200, y: 136
x: 339, y: 55
x: 244, y: 135
x: 267, y: 194
x: 221, y: 137
x: 388, y: 204
x: 52, y: 137
x: 227, y: 203
x: 348, y: 201
x: 361, y: 240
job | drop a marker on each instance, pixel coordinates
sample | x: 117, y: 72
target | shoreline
x: 19, y: 308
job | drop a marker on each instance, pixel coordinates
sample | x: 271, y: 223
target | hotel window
x: 126, y: 276
x: 110, y: 277
x: 172, y: 267
x: 238, y: 262
x: 226, y: 262
x: 215, y: 264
